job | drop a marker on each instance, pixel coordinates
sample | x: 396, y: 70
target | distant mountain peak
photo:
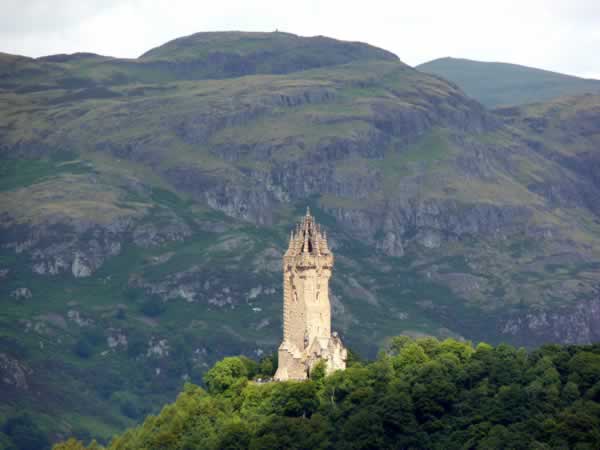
x: 503, y: 84
x: 69, y: 57
x: 248, y: 42
x: 237, y: 53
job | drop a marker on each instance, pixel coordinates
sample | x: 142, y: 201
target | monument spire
x: 308, y: 339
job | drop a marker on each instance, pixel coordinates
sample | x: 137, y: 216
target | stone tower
x: 307, y: 336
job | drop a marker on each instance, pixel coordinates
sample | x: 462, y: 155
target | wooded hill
x: 418, y: 394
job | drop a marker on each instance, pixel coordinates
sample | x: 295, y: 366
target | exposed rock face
x: 252, y: 203
x: 76, y: 317
x: 21, y: 294
x: 116, y: 339
x: 196, y: 284
x: 158, y: 348
x: 81, y: 268
x: 13, y: 373
x: 577, y: 324
x: 167, y: 228
x: 434, y: 221
x: 80, y: 247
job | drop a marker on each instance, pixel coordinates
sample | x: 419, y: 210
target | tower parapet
x: 307, y: 337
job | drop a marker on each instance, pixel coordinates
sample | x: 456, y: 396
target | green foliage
x: 267, y: 366
x: 418, y: 394
x: 16, y: 173
x: 128, y: 404
x: 353, y: 358
x: 153, y: 307
x: 88, y: 341
x: 318, y: 371
x: 24, y: 433
x: 6, y: 443
x: 226, y: 373
x: 70, y: 444
x: 585, y: 369
x: 295, y: 399
x: 235, y: 436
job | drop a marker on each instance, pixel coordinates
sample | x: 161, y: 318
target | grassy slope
x: 275, y: 50
x: 406, y: 298
x: 195, y: 57
x: 501, y: 84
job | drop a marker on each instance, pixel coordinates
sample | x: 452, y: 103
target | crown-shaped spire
x: 308, y: 238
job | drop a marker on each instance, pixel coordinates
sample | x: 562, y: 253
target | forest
x: 417, y: 394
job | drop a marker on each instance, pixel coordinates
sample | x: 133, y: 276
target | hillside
x: 421, y: 394
x: 195, y: 57
x: 145, y: 209
x: 500, y: 84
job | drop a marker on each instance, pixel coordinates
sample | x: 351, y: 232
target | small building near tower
x: 307, y: 336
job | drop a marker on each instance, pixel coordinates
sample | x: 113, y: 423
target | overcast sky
x: 560, y: 35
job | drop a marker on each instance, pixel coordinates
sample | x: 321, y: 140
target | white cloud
x: 560, y: 35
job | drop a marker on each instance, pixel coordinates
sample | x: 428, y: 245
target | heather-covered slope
x: 500, y: 84
x: 144, y: 213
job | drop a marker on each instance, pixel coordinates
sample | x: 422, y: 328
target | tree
x: 462, y: 350
x: 397, y: 343
x: 570, y: 393
x: 421, y: 394
x: 235, y: 435
x: 295, y: 399
x: 225, y: 373
x: 585, y: 369
x: 340, y: 384
x: 297, y: 433
x: 409, y: 358
x: 502, y: 438
x: 434, y: 392
x: 318, y: 371
x: 362, y: 430
x: 267, y: 366
x: 580, y: 425
x: 70, y: 444
x: 398, y: 416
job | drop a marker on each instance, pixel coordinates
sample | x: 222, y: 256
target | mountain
x: 500, y: 84
x: 196, y: 57
x: 145, y: 206
x: 230, y: 54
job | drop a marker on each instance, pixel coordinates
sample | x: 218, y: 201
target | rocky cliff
x: 145, y: 206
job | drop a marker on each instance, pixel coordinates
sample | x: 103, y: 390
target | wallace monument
x: 307, y: 336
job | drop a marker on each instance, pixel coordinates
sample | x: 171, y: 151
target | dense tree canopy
x: 418, y: 394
